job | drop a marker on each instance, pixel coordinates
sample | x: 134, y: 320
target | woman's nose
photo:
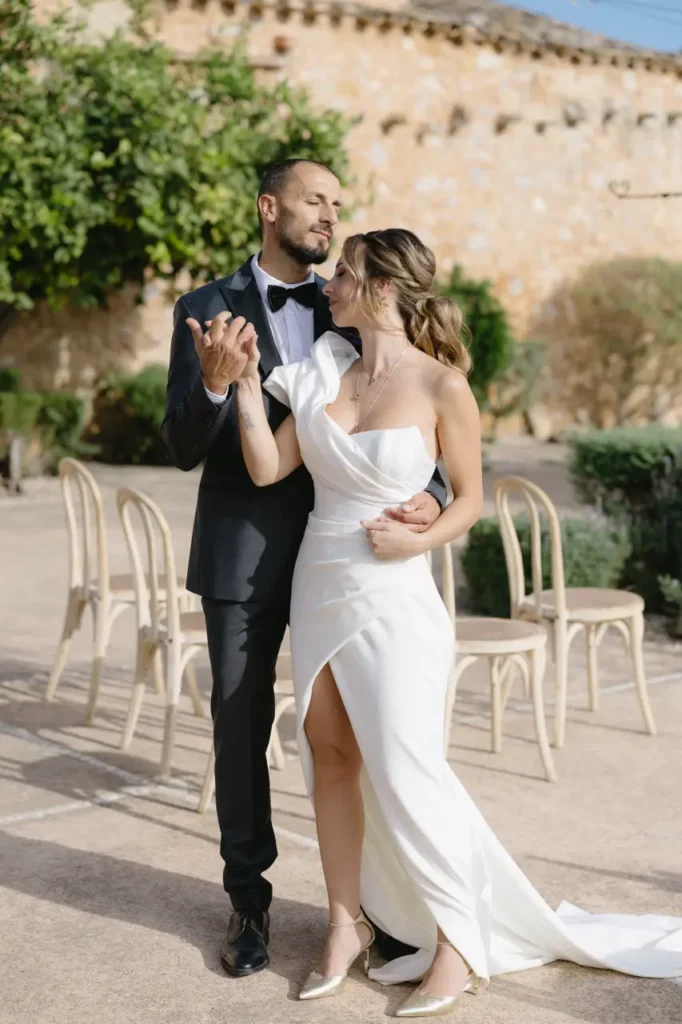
x: 327, y: 290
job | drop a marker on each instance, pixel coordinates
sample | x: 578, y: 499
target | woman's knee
x: 336, y: 760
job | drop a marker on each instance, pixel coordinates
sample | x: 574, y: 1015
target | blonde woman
x: 372, y: 646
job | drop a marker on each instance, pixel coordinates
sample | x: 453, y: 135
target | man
x: 245, y: 538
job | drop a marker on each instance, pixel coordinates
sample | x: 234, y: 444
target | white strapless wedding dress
x: 429, y: 858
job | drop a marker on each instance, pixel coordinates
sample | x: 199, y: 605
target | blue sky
x: 655, y: 24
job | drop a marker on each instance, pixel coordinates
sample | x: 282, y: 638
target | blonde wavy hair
x: 433, y: 323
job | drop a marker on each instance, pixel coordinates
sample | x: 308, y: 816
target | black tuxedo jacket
x: 245, y: 538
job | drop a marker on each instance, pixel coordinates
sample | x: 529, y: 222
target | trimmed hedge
x: 634, y: 475
x: 594, y: 556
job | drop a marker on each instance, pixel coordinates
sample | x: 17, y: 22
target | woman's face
x: 342, y: 294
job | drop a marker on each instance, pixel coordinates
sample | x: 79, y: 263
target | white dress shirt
x: 292, y: 326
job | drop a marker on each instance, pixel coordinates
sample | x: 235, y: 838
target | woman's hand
x: 250, y: 348
x: 391, y: 540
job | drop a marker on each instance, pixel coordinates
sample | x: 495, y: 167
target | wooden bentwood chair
x: 179, y: 635
x: 506, y: 645
x: 567, y: 610
x: 163, y: 628
x: 90, y: 583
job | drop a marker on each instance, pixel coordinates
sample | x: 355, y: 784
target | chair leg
x: 144, y: 655
x: 496, y: 704
x: 275, y: 754
x: 193, y: 690
x: 457, y: 669
x: 102, y: 626
x: 157, y: 672
x: 636, y: 628
x: 72, y: 621
x: 173, y: 683
x: 209, y: 783
x: 561, y: 670
x: 592, y: 667
x: 538, y: 660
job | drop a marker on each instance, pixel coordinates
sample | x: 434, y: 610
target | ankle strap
x: 360, y: 919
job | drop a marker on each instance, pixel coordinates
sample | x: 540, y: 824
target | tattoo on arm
x: 247, y: 421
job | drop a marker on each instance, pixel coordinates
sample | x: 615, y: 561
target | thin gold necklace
x: 356, y: 398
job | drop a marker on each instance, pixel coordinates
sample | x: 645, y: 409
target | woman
x: 372, y: 647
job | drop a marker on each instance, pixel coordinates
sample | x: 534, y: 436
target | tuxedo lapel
x: 243, y: 298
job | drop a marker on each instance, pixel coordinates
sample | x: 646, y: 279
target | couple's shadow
x: 193, y: 909
x: 196, y: 910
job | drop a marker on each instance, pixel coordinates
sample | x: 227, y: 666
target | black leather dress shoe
x: 245, y: 947
x: 388, y: 947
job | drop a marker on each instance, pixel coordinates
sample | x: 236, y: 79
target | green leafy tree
x: 117, y: 162
x: 492, y: 343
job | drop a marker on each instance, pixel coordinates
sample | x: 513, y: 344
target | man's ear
x: 267, y: 207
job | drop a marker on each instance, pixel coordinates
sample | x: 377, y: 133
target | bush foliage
x: 634, y: 475
x: 492, y: 343
x: 117, y: 161
x: 594, y: 556
x: 127, y: 416
x: 55, y: 418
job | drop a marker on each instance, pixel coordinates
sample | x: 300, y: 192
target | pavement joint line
x: 101, y: 800
x: 139, y: 786
x: 573, y: 697
x: 94, y: 762
x: 31, y: 737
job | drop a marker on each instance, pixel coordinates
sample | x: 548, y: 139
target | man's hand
x: 222, y: 349
x: 389, y: 540
x: 418, y: 513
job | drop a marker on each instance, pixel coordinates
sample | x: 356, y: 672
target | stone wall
x: 499, y: 156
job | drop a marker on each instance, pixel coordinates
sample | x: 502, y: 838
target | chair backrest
x: 154, y: 600
x: 536, y: 501
x: 86, y: 526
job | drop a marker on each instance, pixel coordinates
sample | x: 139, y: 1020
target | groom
x: 246, y: 538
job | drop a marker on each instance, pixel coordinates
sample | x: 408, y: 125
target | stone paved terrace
x: 110, y: 892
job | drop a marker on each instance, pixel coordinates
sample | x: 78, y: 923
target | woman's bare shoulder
x: 449, y: 386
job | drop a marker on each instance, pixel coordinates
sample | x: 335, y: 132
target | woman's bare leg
x: 339, y: 816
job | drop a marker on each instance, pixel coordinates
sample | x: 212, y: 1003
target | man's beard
x: 303, y: 254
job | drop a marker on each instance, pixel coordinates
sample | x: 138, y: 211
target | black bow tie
x: 304, y: 294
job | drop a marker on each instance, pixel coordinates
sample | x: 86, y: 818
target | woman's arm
x: 269, y: 457
x: 459, y: 436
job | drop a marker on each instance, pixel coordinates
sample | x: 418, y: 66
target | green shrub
x: 594, y: 555
x: 634, y: 475
x: 127, y: 416
x: 61, y: 421
x: 54, y: 418
x: 19, y: 412
x: 10, y: 379
x: 492, y: 343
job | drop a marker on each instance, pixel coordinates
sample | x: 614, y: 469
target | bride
x: 372, y: 647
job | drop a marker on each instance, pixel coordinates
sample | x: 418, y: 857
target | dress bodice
x: 355, y: 475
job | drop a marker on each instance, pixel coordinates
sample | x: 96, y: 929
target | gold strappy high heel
x: 419, y: 1004
x: 319, y: 987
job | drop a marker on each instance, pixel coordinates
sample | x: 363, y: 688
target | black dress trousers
x: 244, y: 638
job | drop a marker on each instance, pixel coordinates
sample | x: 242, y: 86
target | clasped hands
x: 228, y: 352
